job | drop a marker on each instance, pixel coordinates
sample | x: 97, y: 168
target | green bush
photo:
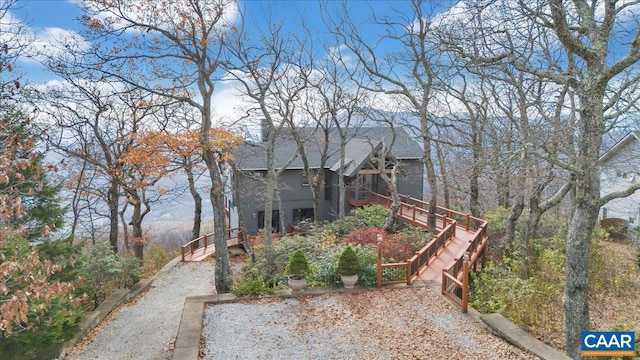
x: 280, y: 251
x: 250, y: 284
x: 500, y: 289
x: 369, y: 216
x: 348, y: 264
x: 105, y: 271
x: 298, y: 266
x: 50, y: 317
x: 325, y: 268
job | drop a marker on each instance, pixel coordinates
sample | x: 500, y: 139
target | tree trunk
x: 535, y: 213
x: 585, y: 216
x: 512, y: 219
x: 392, y: 219
x: 318, y: 183
x: 444, y: 174
x: 125, y: 229
x: 237, y: 194
x: 223, y: 277
x: 341, y: 185
x: 476, y: 171
x: 197, y: 202
x: 113, y: 197
x: 433, y: 187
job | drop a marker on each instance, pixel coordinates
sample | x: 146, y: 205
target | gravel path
x: 146, y: 328
x: 413, y: 323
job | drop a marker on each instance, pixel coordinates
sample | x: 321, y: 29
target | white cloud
x: 55, y: 42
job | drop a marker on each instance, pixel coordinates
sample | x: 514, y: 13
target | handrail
x: 232, y: 235
x: 457, y: 275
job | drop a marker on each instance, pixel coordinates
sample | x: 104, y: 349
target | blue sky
x: 45, y: 17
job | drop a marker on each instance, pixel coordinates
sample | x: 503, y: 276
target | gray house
x: 293, y: 186
x: 621, y: 170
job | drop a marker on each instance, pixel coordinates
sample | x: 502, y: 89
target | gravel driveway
x: 409, y: 323
x: 404, y: 323
x: 146, y: 328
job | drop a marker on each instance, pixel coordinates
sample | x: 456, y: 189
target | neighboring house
x: 297, y: 200
x: 621, y: 169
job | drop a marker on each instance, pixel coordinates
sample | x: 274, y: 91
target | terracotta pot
x: 349, y: 281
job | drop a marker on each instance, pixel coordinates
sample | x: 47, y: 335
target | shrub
x: 155, y: 258
x: 274, y: 272
x: 105, y: 270
x: 298, y: 266
x: 326, y: 267
x: 364, y: 236
x: 500, y: 289
x: 348, y: 264
x: 39, y: 307
x: 395, y: 247
x: 251, y: 284
x: 367, y: 217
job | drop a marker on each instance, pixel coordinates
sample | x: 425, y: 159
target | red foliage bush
x: 364, y: 236
x: 395, y: 248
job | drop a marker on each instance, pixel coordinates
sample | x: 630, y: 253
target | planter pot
x: 297, y: 285
x: 349, y: 280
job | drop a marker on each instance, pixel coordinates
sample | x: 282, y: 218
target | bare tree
x: 91, y: 127
x: 268, y: 74
x: 572, y: 43
x: 177, y: 52
x: 407, y: 73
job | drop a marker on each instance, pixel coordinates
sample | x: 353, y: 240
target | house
x: 621, y: 169
x: 294, y: 189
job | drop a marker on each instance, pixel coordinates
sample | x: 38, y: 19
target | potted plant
x: 349, y: 267
x: 297, y: 269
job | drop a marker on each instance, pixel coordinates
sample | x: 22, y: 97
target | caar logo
x: 608, y: 343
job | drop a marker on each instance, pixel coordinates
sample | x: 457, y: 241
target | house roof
x: 251, y: 156
x: 630, y: 137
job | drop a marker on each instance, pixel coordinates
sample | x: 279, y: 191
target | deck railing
x: 455, y: 279
x: 232, y: 235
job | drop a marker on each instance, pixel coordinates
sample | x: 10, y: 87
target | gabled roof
x: 358, y: 150
x: 630, y: 137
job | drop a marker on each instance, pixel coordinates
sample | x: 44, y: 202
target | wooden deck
x: 202, y: 247
x: 459, y: 243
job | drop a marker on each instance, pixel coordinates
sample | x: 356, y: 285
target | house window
x: 328, y: 192
x: 302, y: 214
x: 275, y: 220
x: 305, y: 180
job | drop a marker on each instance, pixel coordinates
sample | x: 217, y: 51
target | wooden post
x: 379, y: 264
x: 468, y: 221
x: 206, y: 241
x: 408, y: 272
x: 465, y: 283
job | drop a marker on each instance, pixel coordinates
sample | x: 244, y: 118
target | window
x: 302, y: 214
x: 305, y: 180
x: 275, y: 220
x: 328, y: 192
